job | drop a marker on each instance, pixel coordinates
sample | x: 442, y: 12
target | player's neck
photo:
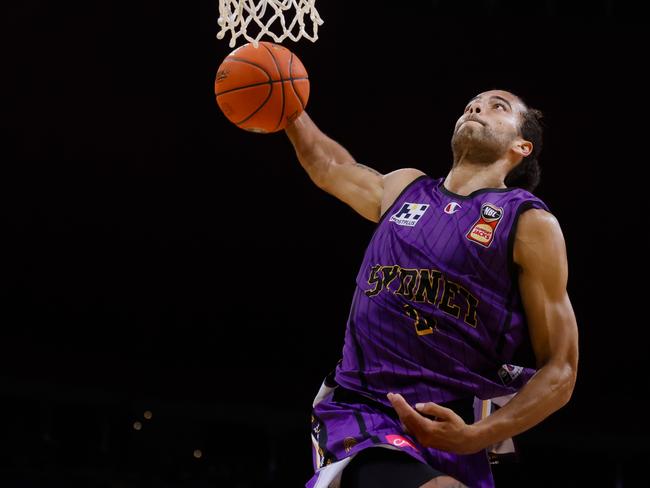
x: 466, y: 177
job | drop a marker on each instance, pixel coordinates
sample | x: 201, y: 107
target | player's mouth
x: 473, y: 119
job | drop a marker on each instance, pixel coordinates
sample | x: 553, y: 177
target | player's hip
x: 345, y: 422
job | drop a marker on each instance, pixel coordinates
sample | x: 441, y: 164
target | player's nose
x: 475, y: 107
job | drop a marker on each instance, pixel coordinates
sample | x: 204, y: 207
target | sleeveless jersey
x: 436, y: 314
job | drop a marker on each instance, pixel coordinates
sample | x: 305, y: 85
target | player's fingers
x: 409, y: 417
x: 398, y: 402
x: 433, y: 410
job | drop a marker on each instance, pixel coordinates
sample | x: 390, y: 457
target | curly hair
x: 527, y: 174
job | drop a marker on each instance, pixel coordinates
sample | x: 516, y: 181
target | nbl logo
x: 409, y: 214
x: 482, y: 232
x: 491, y: 213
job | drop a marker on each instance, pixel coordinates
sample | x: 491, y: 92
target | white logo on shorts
x: 509, y: 372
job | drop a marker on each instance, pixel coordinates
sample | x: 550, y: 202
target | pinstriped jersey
x: 436, y: 314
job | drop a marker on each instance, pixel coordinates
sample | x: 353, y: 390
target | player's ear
x: 523, y: 148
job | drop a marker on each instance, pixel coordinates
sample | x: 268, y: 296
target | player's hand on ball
x: 262, y: 89
x: 435, y: 426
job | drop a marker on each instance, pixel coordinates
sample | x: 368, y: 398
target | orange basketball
x: 261, y: 89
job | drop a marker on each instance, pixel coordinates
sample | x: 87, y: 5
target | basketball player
x: 462, y: 274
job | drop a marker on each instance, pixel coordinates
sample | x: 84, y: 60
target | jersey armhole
x: 401, y: 194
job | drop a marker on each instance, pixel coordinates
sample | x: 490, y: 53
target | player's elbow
x: 570, y: 372
x: 565, y: 382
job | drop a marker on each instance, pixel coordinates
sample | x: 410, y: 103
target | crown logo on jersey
x: 483, y: 230
x: 409, y: 214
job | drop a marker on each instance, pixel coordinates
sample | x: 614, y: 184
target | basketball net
x: 239, y: 16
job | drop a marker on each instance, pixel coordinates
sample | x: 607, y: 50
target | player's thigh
x: 387, y: 468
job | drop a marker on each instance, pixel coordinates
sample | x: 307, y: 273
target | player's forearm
x: 547, y: 391
x: 316, y: 151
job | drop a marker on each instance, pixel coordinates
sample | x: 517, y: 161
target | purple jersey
x: 436, y: 314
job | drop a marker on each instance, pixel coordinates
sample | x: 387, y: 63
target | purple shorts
x: 344, y: 423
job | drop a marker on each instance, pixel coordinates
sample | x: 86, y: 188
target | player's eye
x: 500, y: 105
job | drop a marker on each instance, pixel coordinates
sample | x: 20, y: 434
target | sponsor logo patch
x: 452, y: 208
x: 409, y: 214
x: 482, y: 232
x: 401, y: 442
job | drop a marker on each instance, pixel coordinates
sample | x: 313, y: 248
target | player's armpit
x: 394, y: 184
x: 366, y: 190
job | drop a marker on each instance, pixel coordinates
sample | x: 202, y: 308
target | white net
x: 285, y: 17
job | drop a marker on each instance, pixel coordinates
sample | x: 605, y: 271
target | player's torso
x: 441, y: 253
x: 436, y: 283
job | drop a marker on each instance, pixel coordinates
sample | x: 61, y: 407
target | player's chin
x: 465, y: 136
x: 468, y: 129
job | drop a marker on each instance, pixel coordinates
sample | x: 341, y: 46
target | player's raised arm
x: 332, y: 168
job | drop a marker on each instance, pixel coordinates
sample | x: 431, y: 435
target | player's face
x: 498, y: 109
x: 488, y: 127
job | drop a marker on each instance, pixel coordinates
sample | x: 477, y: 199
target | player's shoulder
x: 539, y: 244
x: 538, y: 229
x: 395, y: 183
x: 537, y: 220
x: 399, y: 179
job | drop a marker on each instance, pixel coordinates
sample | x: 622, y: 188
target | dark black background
x: 157, y: 257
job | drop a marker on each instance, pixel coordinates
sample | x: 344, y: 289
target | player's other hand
x: 435, y: 426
